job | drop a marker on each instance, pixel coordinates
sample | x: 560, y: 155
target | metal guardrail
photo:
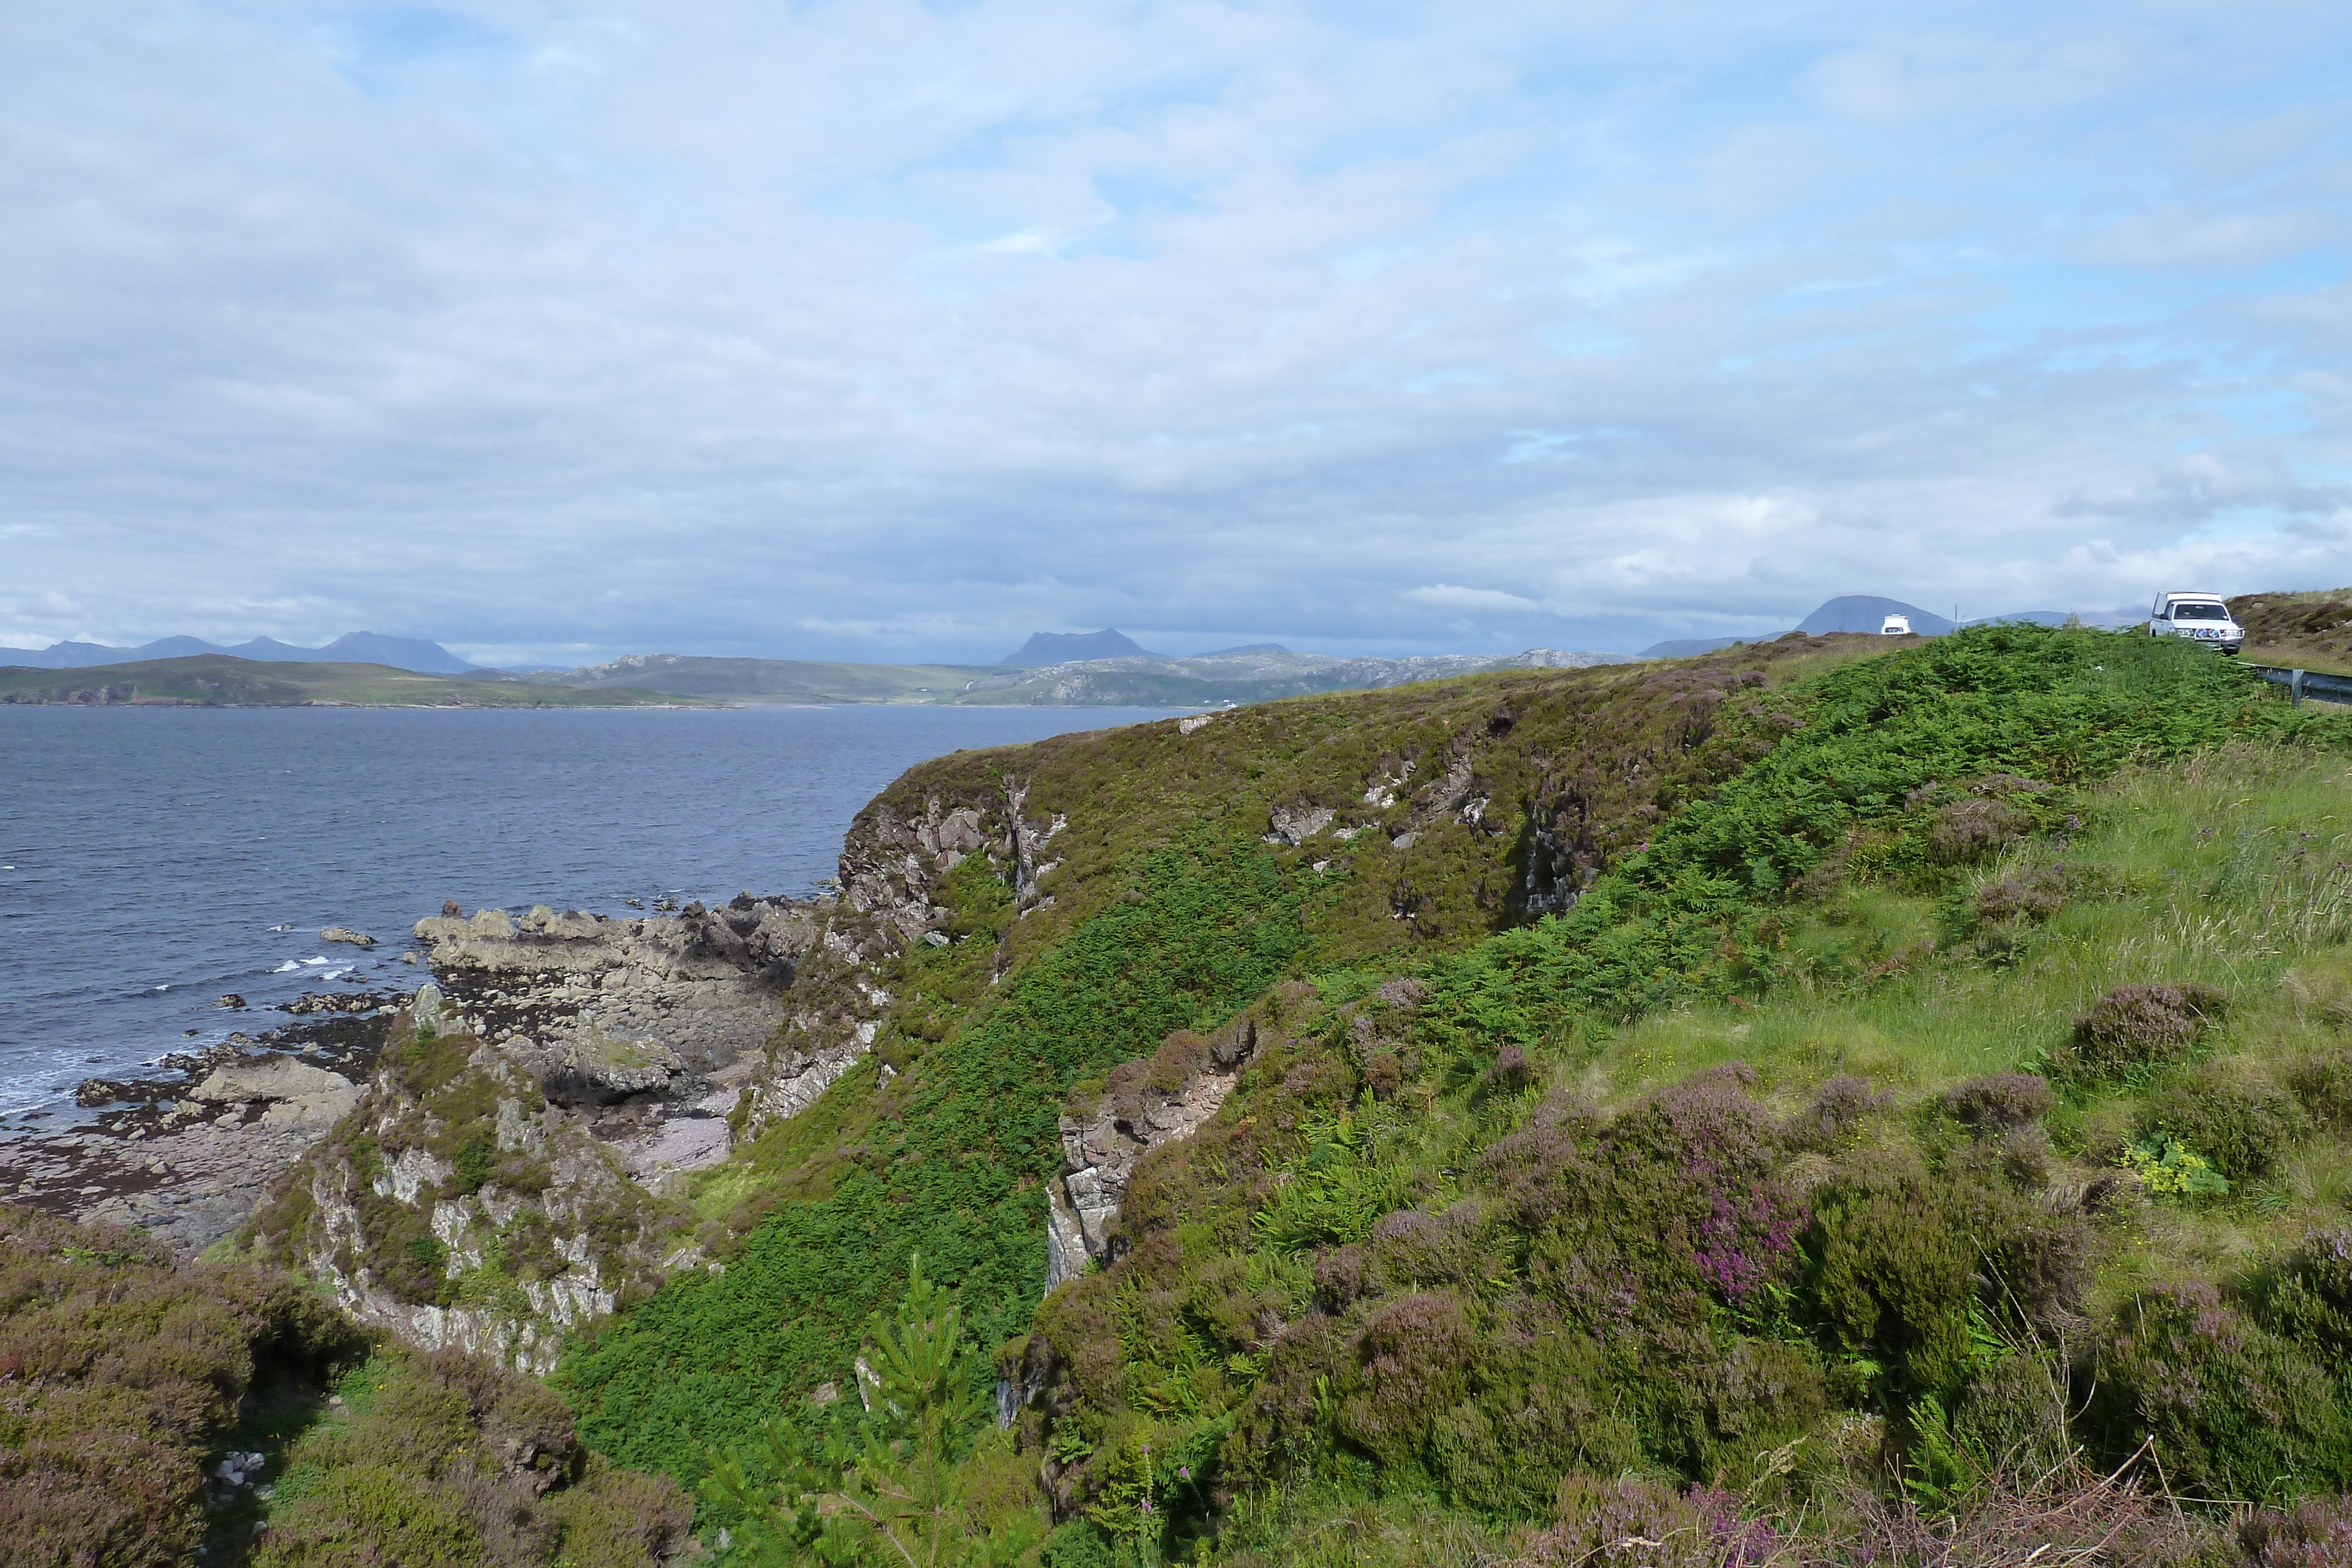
x: 2302, y: 683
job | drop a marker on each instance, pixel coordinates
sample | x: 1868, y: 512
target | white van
x: 1896, y: 626
x: 2204, y: 616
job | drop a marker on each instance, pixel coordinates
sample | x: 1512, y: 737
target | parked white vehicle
x: 2204, y: 616
x: 1896, y: 626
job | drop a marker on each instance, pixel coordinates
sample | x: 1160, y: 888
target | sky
x: 890, y: 331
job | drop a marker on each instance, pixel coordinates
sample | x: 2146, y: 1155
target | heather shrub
x: 1761, y: 1393
x: 2032, y: 1261
x: 1840, y: 1106
x: 1891, y: 1273
x: 1410, y: 1249
x: 2324, y: 1086
x: 2028, y: 898
x: 2134, y: 1024
x: 2309, y: 1298
x: 119, y: 1370
x: 2315, y: 1534
x: 1281, y: 1418
x: 1547, y: 1166
x: 2244, y: 1124
x: 1542, y: 1406
x: 1409, y: 1363
x: 1339, y: 1278
x: 2001, y: 1101
x: 447, y: 1460
x: 2236, y: 1412
x: 1970, y: 828
x: 1631, y: 1523
x: 2013, y: 1417
x: 1509, y: 1074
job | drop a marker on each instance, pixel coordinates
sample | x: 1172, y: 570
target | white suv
x: 2204, y: 616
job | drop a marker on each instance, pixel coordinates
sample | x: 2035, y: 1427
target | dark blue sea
x: 147, y: 856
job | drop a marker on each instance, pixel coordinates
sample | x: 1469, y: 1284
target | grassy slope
x: 2299, y: 631
x: 1168, y: 911
x: 1800, y: 923
x: 1815, y: 916
x: 218, y: 680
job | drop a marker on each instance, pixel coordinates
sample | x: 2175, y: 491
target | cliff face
x: 526, y: 1164
x: 509, y: 1175
x: 1439, y: 812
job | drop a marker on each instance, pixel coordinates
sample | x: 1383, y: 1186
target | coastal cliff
x: 1723, y: 1098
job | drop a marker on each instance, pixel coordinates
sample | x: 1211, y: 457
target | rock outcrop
x: 1142, y: 1105
x: 293, y: 1093
x: 505, y: 1178
x: 603, y: 1012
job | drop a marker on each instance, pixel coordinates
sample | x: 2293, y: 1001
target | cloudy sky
x: 879, y: 330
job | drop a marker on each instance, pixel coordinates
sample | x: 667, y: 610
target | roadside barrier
x: 2301, y: 684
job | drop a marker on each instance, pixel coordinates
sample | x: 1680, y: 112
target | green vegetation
x: 127, y: 1382
x: 218, y: 680
x: 123, y: 1377
x: 445, y: 1461
x: 535, y: 1211
x: 949, y: 1166
x: 1810, y: 1104
x: 902, y: 1485
x: 1834, y: 1159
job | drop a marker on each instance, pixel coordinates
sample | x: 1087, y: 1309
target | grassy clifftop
x: 1755, y: 1141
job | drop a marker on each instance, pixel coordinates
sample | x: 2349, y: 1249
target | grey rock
x: 298, y: 1095
x: 345, y: 933
x: 1099, y: 1150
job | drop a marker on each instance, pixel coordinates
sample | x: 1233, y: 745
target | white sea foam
x: 286, y: 968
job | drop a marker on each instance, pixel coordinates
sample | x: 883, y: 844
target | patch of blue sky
x: 1436, y: 381
x: 2261, y: 411
x: 2043, y: 295
x: 1137, y: 192
x: 1568, y: 445
x: 375, y: 47
x: 1585, y: 338
x: 2241, y: 522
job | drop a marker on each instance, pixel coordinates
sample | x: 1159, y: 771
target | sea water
x: 154, y: 859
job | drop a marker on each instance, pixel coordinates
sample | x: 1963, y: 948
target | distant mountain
x: 1692, y: 647
x: 1143, y: 680
x: 1046, y: 648
x: 1244, y: 648
x: 356, y: 648
x: 223, y: 680
x: 1150, y: 680
x: 1868, y: 612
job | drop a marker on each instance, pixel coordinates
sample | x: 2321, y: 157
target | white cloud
x: 898, y: 331
x: 1446, y: 596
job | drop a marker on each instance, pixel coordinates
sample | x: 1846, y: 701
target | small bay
x: 149, y: 854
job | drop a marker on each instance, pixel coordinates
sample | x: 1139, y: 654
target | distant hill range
x: 219, y: 680
x: 1138, y: 680
x: 357, y: 648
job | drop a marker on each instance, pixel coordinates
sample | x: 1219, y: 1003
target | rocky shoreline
x: 644, y: 1032
x: 188, y: 1154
